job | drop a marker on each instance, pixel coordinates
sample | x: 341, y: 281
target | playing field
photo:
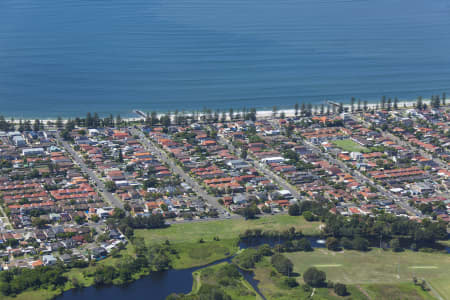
x: 350, y: 146
x: 378, y: 267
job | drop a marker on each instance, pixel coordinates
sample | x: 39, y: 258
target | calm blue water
x: 66, y: 57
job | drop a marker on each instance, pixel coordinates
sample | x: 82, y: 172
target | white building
x: 271, y: 160
x: 33, y: 151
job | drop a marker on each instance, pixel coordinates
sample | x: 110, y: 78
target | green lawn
x: 225, y: 229
x: 350, y: 146
x: 378, y: 267
x: 185, y: 237
x: 272, y: 285
x: 396, y: 291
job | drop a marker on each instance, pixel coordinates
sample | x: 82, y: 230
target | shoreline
x: 260, y: 112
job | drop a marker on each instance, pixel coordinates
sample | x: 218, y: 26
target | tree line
x: 17, y: 280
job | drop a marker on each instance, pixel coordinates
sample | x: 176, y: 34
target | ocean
x: 68, y: 57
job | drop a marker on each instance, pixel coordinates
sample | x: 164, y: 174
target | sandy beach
x: 262, y: 113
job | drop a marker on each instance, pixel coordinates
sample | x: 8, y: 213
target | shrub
x: 290, y: 282
x: 340, y: 289
x: 308, y: 216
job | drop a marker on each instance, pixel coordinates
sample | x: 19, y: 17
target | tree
x: 118, y: 120
x: 304, y: 245
x: 296, y: 109
x: 395, y: 245
x: 265, y: 250
x: 59, y: 123
x: 314, y: 277
x: 341, y: 108
x: 352, y: 104
x: 39, y: 223
x: 118, y: 213
x: 244, y: 153
x: 36, y: 125
x: 360, y: 244
x: 419, y: 103
x: 302, y: 109
x: 282, y: 264
x: 435, y: 101
x: 127, y: 207
x: 250, y: 212
x: 308, y: 216
x: 231, y: 112
x: 294, y: 210
x: 110, y: 186
x: 79, y: 219
x: 164, y: 207
x: 346, y: 243
x: 340, y: 289
x: 332, y: 244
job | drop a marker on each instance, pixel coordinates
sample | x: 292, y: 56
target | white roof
x: 284, y: 192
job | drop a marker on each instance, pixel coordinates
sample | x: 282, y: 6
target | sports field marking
x: 423, y: 267
x: 327, y: 266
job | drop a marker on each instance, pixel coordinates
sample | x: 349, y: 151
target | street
x: 264, y: 170
x: 109, y: 197
x: 162, y: 156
